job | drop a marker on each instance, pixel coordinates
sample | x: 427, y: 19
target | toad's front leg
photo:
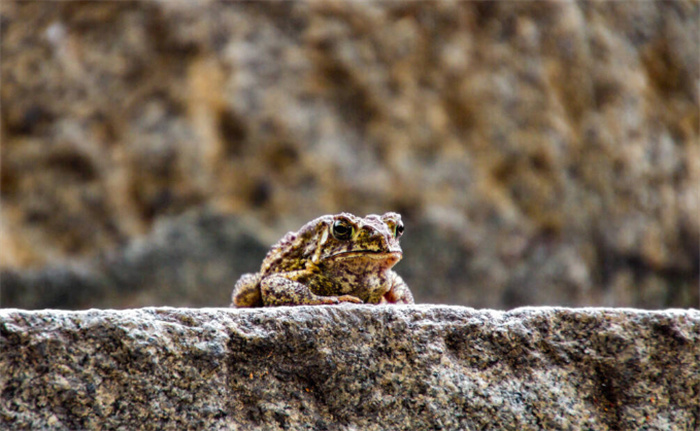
x: 399, y: 293
x: 284, y: 290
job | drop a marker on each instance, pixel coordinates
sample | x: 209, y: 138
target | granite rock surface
x: 540, y: 152
x: 350, y: 367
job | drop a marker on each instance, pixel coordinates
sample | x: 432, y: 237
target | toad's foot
x: 283, y: 290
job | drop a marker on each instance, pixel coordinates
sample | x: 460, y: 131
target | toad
x: 330, y: 260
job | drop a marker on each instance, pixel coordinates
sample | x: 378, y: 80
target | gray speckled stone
x: 350, y: 367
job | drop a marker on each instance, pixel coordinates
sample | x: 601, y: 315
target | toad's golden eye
x: 342, y: 230
x: 398, y: 229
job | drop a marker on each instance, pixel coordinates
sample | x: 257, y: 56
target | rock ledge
x: 350, y: 367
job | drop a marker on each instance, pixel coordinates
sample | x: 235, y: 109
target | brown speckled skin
x: 320, y: 265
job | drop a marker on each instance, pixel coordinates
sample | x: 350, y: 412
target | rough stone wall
x: 541, y: 152
x: 350, y: 367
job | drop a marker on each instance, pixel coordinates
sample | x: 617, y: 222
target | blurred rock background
x: 540, y: 152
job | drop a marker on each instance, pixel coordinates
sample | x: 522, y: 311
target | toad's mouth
x: 368, y: 254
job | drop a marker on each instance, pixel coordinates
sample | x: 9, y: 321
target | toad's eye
x: 398, y: 229
x: 342, y: 230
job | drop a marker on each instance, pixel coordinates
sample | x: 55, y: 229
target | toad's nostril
x: 374, y: 234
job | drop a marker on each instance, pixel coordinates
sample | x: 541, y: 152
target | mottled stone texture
x: 350, y: 367
x: 540, y: 152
